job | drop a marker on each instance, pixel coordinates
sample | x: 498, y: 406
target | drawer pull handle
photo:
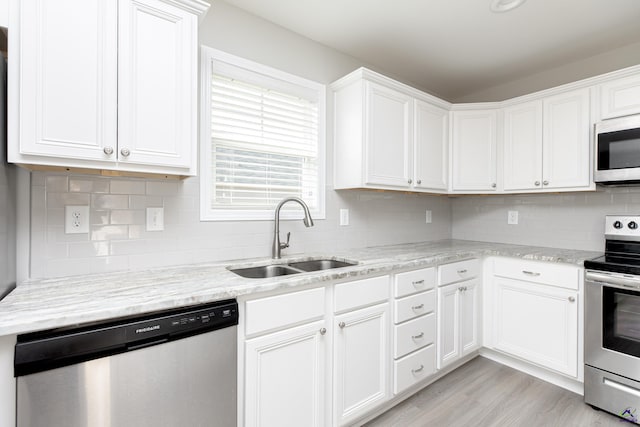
x: 419, y: 336
x: 463, y: 271
x: 418, y: 282
x: 323, y: 331
x: 531, y: 273
x: 342, y: 325
x: 418, y: 307
x: 415, y: 371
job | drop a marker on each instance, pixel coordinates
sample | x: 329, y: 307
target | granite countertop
x: 51, y: 303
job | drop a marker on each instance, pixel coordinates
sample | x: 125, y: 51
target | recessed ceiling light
x: 499, y: 6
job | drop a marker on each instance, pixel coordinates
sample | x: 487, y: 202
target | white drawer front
x: 279, y: 311
x: 561, y: 275
x: 414, y: 368
x: 413, y: 306
x: 360, y: 293
x: 414, y: 281
x: 414, y: 334
x: 457, y: 271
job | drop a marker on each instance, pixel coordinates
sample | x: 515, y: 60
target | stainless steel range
x: 612, y: 321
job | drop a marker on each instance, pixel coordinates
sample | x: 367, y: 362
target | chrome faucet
x: 308, y: 222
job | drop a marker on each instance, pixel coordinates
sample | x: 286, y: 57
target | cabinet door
x: 284, y: 378
x: 523, y: 146
x: 474, y: 150
x: 66, y: 51
x: 157, y: 84
x: 431, y: 147
x: 361, y: 362
x: 537, y: 323
x: 566, y: 141
x: 469, y: 314
x: 620, y: 97
x: 448, y: 348
x: 388, y: 136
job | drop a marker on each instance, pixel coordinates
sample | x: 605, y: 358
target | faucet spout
x: 308, y: 222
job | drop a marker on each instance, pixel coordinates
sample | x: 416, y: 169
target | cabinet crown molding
x: 197, y: 7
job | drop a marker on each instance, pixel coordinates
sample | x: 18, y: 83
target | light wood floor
x: 484, y: 393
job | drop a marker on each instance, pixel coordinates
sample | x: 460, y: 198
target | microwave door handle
x: 615, y: 280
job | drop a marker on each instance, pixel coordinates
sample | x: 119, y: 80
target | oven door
x: 612, y: 323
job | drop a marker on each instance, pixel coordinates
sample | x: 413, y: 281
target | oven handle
x: 613, y: 280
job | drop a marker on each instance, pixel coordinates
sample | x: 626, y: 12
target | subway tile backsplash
x: 118, y: 239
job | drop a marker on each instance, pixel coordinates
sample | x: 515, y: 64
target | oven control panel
x: 622, y: 227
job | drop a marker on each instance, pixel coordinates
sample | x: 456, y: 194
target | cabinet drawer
x: 414, y: 334
x: 414, y: 368
x: 278, y: 311
x: 361, y: 293
x: 457, y: 271
x: 414, y: 306
x: 562, y: 275
x: 414, y: 281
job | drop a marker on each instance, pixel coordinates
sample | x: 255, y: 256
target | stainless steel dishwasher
x: 170, y: 368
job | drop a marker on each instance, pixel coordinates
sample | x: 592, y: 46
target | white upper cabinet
x: 566, y: 141
x: 474, y: 165
x: 547, y: 144
x: 388, y: 135
x: 523, y: 146
x: 105, y: 84
x: 431, y: 146
x: 620, y: 97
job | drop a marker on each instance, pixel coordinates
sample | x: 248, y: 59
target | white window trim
x: 206, y: 212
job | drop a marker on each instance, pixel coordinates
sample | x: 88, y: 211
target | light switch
x: 512, y: 217
x: 155, y: 219
x: 428, y: 217
x: 344, y: 217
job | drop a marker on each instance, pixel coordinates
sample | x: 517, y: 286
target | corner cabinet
x: 474, y: 148
x: 547, y: 144
x: 388, y: 136
x: 105, y: 84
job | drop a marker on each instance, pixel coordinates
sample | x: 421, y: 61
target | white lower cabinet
x: 284, y: 377
x: 458, y: 308
x: 536, y: 319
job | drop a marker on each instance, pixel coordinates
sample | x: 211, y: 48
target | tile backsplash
x: 118, y: 239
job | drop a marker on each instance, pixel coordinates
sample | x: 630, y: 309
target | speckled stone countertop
x: 51, y: 303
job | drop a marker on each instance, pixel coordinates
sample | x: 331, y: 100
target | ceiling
x: 457, y: 47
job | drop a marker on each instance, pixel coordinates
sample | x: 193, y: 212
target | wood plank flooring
x: 484, y: 393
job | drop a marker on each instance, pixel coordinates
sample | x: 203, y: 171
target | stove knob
x: 617, y: 225
x: 632, y: 225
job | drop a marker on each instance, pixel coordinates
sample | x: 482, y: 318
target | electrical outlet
x: 428, y: 217
x: 76, y: 219
x: 344, y: 216
x: 155, y: 219
x: 512, y: 217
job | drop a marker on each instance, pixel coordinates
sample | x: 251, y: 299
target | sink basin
x: 264, y: 271
x: 320, y: 264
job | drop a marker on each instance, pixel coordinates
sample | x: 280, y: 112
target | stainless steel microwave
x: 618, y: 151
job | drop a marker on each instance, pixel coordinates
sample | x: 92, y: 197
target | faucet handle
x: 286, y: 245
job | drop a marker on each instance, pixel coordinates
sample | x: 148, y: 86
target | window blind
x: 264, y: 145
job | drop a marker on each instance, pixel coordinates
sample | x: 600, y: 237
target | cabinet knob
x: 545, y: 182
x: 410, y: 181
x: 125, y: 152
x: 572, y: 299
x: 108, y: 150
x: 419, y: 181
x: 537, y: 183
x: 493, y: 185
x: 323, y: 331
x: 342, y: 325
x: 415, y: 371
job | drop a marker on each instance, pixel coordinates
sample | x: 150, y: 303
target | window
x: 262, y: 140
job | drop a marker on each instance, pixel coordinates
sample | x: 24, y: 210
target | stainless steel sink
x: 320, y: 264
x: 264, y: 271
x: 275, y: 270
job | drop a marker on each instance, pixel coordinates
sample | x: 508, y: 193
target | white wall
x: 118, y: 240
x: 571, y: 220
